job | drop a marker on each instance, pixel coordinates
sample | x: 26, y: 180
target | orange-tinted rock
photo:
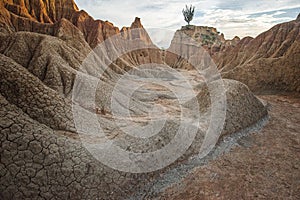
x: 45, y: 11
x: 95, y: 31
x: 38, y: 16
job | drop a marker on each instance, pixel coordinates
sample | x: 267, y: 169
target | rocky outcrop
x: 47, y: 16
x: 196, y: 42
x: 139, y: 34
x: 95, y: 31
x: 268, y: 62
x: 34, y: 16
x: 44, y: 11
x: 208, y: 37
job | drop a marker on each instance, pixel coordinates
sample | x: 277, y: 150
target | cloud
x: 232, y: 17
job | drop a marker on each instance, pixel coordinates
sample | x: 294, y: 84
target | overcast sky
x: 231, y: 17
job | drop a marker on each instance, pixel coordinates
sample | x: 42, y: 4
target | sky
x: 231, y: 17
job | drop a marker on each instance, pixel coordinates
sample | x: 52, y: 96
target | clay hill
x: 268, y: 62
x: 50, y: 54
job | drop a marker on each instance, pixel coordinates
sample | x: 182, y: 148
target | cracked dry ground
x: 264, y: 165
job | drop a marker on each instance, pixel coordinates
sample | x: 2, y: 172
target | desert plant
x: 188, y: 13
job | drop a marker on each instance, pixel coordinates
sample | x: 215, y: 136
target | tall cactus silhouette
x: 188, y: 13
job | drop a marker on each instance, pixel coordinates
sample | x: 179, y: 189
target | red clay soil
x: 265, y: 165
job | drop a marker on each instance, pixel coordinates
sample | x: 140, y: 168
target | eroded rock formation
x: 268, y: 62
x: 47, y: 17
x: 196, y: 42
x: 208, y: 37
